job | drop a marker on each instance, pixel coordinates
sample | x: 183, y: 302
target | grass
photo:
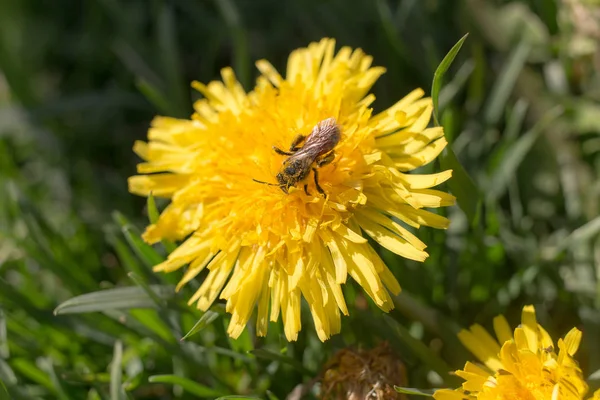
x: 79, y: 84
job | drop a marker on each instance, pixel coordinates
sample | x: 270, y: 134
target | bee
x: 306, y: 154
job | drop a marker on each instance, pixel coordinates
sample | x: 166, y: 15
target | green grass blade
x: 145, y: 252
x: 153, y: 216
x: 207, y: 318
x: 4, y: 351
x: 517, y: 153
x: 436, y: 85
x: 415, y: 392
x: 153, y: 213
x: 32, y: 372
x: 188, y: 385
x: 154, y: 95
x: 170, y: 57
x: 458, y: 83
x: 505, y: 83
x: 138, y: 280
x: 47, y: 366
x: 128, y: 261
x: 3, y: 391
x: 461, y: 185
x: 241, y: 57
x: 111, y: 299
x: 116, y: 374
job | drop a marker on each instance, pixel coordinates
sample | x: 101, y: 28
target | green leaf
x: 439, y: 75
x: 507, y: 169
x: 124, y: 253
x: 171, y: 61
x: 461, y: 185
x: 146, y: 253
x: 4, y: 351
x: 271, y: 396
x: 110, y: 299
x: 153, y: 216
x: 505, y: 82
x: 138, y: 280
x: 32, y: 372
x: 153, y: 213
x: 416, y: 392
x: 269, y: 355
x: 188, y: 385
x: 154, y: 96
x: 207, y: 318
x: 47, y: 366
x: 241, y: 58
x: 3, y: 391
x: 116, y: 374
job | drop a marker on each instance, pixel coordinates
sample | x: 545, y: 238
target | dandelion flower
x: 520, y: 366
x: 263, y: 247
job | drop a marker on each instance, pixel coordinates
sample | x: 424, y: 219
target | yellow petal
x: 390, y: 241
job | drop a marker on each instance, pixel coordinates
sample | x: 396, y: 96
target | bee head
x: 291, y: 172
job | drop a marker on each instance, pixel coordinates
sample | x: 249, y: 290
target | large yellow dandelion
x: 270, y: 245
x: 520, y: 366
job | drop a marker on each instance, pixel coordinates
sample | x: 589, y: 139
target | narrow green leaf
x: 110, y: 299
x: 271, y: 396
x: 47, y: 366
x: 461, y: 185
x: 125, y: 255
x: 504, y: 84
x: 138, y: 280
x: 146, y: 253
x: 153, y: 213
x: 241, y: 58
x: 594, y: 376
x: 7, y: 374
x: 3, y: 391
x: 171, y: 60
x: 116, y: 374
x: 451, y: 90
x: 517, y: 153
x: 207, y: 318
x: 416, y: 392
x: 4, y: 351
x: 188, y: 385
x: 31, y: 371
x: 154, y: 96
x: 269, y: 355
x: 582, y: 234
x: 153, y: 216
x: 439, y: 75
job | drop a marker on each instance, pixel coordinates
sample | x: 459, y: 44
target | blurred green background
x: 80, y: 82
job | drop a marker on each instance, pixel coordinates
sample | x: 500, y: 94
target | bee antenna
x: 266, y: 183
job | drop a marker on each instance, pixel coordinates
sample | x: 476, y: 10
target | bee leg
x: 283, y: 153
x: 316, y: 176
x: 306, y: 190
x: 294, y: 146
x: 326, y: 159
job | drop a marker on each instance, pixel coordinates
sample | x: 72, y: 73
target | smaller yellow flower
x: 520, y: 366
